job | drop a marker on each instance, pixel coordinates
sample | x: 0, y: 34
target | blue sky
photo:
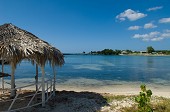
x: 75, y: 26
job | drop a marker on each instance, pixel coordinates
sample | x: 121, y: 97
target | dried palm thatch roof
x: 17, y: 44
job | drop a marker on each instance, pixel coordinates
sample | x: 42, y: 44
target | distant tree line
x: 149, y: 50
x: 166, y: 52
x: 110, y: 52
x: 107, y: 52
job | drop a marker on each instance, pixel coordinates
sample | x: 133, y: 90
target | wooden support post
x: 36, y: 77
x: 43, y: 85
x: 2, y: 77
x: 54, y: 71
x: 36, y: 81
x: 13, y: 91
x: 47, y: 90
x: 51, y: 85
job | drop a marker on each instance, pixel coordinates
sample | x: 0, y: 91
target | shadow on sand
x: 70, y: 101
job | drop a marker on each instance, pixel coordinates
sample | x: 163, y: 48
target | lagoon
x: 150, y: 69
x: 99, y: 71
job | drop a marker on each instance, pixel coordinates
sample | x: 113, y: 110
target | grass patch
x: 159, y: 104
x: 110, y: 98
x: 163, y: 105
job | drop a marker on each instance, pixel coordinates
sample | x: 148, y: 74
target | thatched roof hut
x: 17, y: 44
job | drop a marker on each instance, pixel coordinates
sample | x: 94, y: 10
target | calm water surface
x: 150, y: 69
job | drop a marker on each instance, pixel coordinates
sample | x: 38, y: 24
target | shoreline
x: 146, y: 55
x: 132, y: 54
x: 92, y: 85
x: 119, y: 90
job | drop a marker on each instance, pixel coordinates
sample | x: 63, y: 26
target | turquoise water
x: 150, y: 69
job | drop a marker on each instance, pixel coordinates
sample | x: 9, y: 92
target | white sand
x: 101, y: 86
x: 113, y: 87
x: 118, y: 89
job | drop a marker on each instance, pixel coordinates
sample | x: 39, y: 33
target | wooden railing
x: 31, y: 98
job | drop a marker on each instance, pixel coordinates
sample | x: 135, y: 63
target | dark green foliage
x: 166, y: 52
x: 117, y: 52
x: 150, y: 49
x: 143, y: 100
x: 107, y: 52
x: 128, y: 51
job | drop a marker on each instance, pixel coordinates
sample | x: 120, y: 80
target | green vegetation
x: 159, y: 104
x: 128, y: 51
x: 150, y: 49
x: 162, y: 105
x: 107, y: 52
x: 110, y: 98
x: 166, y: 52
x: 143, y: 100
x: 148, y: 104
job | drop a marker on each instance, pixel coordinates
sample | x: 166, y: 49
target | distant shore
x: 146, y: 54
x: 132, y: 54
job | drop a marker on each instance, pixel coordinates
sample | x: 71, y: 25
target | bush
x: 143, y: 100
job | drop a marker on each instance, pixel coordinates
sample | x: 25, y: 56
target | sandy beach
x: 100, y: 86
x: 87, y: 95
x: 118, y: 90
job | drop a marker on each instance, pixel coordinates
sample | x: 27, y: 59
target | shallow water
x: 105, y: 69
x: 117, y: 68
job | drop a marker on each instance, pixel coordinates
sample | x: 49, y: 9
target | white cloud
x: 149, y: 36
x: 146, y: 26
x: 155, y: 8
x: 149, y: 25
x: 166, y: 35
x: 134, y: 28
x: 167, y: 31
x: 130, y: 15
x: 140, y: 36
x: 157, y: 39
x: 152, y: 36
x: 164, y: 20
